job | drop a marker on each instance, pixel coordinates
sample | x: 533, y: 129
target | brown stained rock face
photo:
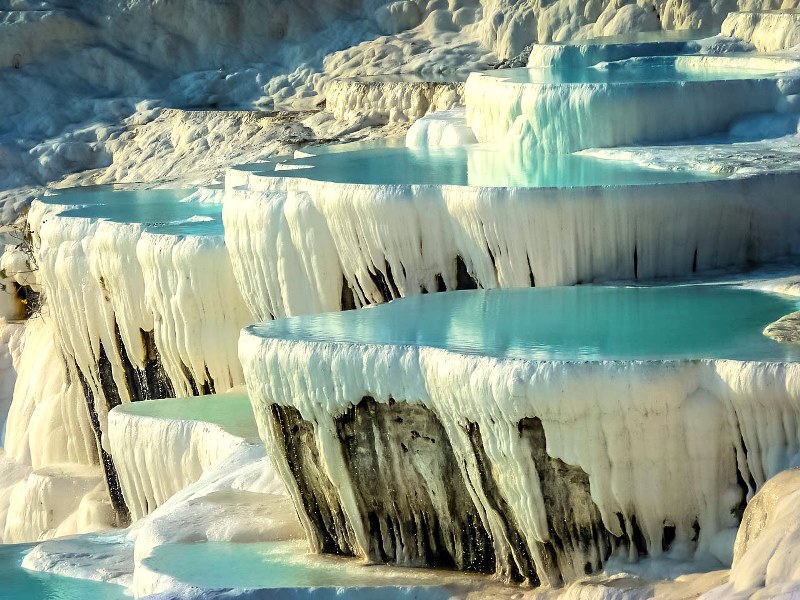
x: 320, y: 500
x: 418, y: 507
x: 410, y: 490
x: 579, y: 542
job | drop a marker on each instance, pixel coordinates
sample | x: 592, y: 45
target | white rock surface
x: 767, y: 31
x: 765, y: 554
x: 441, y: 129
x: 156, y: 457
x: 554, y: 117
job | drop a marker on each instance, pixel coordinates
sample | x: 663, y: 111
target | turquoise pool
x: 232, y: 412
x: 473, y: 165
x: 17, y: 583
x: 584, y: 323
x: 167, y: 211
x: 286, y: 565
x: 641, y: 70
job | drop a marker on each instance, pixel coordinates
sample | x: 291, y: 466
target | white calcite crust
x: 765, y: 552
x: 661, y: 442
x: 382, y: 100
x: 293, y: 241
x: 566, y: 117
x: 768, y: 31
x: 102, y: 276
x: 157, y: 457
x: 441, y: 129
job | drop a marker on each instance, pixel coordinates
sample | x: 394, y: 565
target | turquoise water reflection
x: 651, y: 69
x: 571, y: 323
x: 232, y: 412
x: 276, y: 565
x: 475, y: 165
x: 17, y: 583
x: 166, y: 211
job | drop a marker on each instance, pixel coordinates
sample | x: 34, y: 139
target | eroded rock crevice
x: 416, y: 497
x: 331, y: 533
x: 409, y: 489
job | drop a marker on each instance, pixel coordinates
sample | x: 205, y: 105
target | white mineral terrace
x: 161, y: 447
x: 602, y: 399
x: 633, y: 101
x: 405, y: 216
x: 586, y: 53
x: 639, y: 388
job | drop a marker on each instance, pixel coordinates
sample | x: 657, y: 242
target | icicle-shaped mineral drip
x: 196, y: 307
x: 282, y: 254
x: 626, y: 432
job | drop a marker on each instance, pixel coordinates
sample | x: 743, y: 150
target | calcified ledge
x: 160, y: 448
x: 111, y: 289
x: 373, y: 243
x: 558, y: 116
x: 536, y: 470
x: 390, y: 98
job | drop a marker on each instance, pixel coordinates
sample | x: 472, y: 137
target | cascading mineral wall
x: 52, y: 483
x: 158, y: 456
x: 300, y: 246
x: 551, y: 466
x: 554, y: 116
x: 137, y: 315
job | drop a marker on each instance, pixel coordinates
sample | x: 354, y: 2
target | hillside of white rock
x: 207, y: 117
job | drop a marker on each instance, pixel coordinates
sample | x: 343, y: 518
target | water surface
x: 635, y: 71
x: 167, y: 211
x: 375, y: 163
x: 17, y: 583
x: 583, y: 323
x: 232, y: 412
x: 282, y: 565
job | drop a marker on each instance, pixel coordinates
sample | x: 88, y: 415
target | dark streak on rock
x: 409, y: 488
x: 319, y: 496
x: 110, y: 473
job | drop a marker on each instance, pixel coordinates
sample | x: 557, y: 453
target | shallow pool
x: 584, y: 323
x: 283, y: 565
x: 17, y: 583
x: 232, y: 412
x: 168, y: 211
x: 635, y: 71
x: 473, y: 165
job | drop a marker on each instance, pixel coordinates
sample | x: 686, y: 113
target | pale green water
x: 643, y: 70
x: 17, y: 583
x: 275, y: 565
x: 161, y: 210
x: 232, y: 412
x: 584, y: 323
x: 474, y: 165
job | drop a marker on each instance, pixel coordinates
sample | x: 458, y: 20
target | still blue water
x: 571, y: 323
x: 215, y: 565
x: 475, y: 165
x: 651, y: 69
x: 17, y: 583
x: 164, y: 211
